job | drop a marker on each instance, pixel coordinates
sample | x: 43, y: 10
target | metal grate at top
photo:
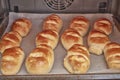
x: 58, y: 4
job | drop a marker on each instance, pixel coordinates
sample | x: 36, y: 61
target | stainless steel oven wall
x: 115, y: 7
x: 118, y: 8
x: 4, y: 7
x: 75, y: 6
x: 40, y: 6
x: 1, y: 8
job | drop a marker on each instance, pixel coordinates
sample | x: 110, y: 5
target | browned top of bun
x: 22, y: 26
x: 11, y: 58
x: 53, y: 22
x: 43, y: 52
x: 38, y: 61
x: 80, y: 49
x: 97, y: 37
x: 112, y: 45
x: 13, y: 52
x: 104, y: 20
x: 53, y: 17
x: 103, y: 25
x: 4, y: 44
x: 71, y: 32
x: 40, y: 56
x: 78, y: 19
x: 18, y: 22
x: 76, y: 61
x: 112, y: 49
x: 50, y: 26
x: 42, y: 39
x: 46, y: 37
x: 12, y: 36
x: 49, y: 32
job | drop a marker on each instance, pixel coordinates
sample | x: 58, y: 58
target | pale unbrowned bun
x: 71, y: 37
x: 77, y: 60
x: 40, y: 60
x: 80, y: 24
x: 53, y: 22
x: 112, y: 55
x: 103, y: 25
x: 48, y: 37
x: 12, y: 60
x: 97, y: 41
x: 22, y: 26
x: 10, y: 39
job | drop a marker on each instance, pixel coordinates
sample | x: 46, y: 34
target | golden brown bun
x: 71, y: 37
x: 48, y: 37
x: 22, y: 26
x: 112, y: 55
x: 103, y: 25
x: 80, y: 24
x: 53, y: 22
x: 40, y: 60
x: 12, y: 36
x: 97, y: 41
x: 10, y: 39
x: 77, y: 60
x: 11, y: 61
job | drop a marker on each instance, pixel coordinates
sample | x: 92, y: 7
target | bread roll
x: 10, y: 39
x: 12, y: 36
x: 112, y: 55
x: 53, y: 22
x: 80, y: 24
x: 40, y: 60
x: 97, y: 41
x: 48, y: 37
x: 77, y: 60
x: 22, y: 26
x: 103, y: 25
x: 11, y: 61
x: 71, y: 37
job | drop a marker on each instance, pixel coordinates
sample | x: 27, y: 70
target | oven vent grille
x: 58, y: 4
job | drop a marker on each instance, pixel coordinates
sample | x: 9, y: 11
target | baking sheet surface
x: 98, y: 64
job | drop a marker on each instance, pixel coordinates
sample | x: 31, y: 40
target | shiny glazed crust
x: 103, y: 25
x: 80, y: 24
x: 97, y: 41
x: 48, y: 37
x: 112, y: 55
x: 53, y: 22
x: 77, y: 60
x: 22, y: 26
x: 40, y: 60
x: 10, y: 39
x: 12, y: 60
x: 70, y: 37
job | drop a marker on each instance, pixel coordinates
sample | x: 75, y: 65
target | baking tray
x: 98, y: 65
